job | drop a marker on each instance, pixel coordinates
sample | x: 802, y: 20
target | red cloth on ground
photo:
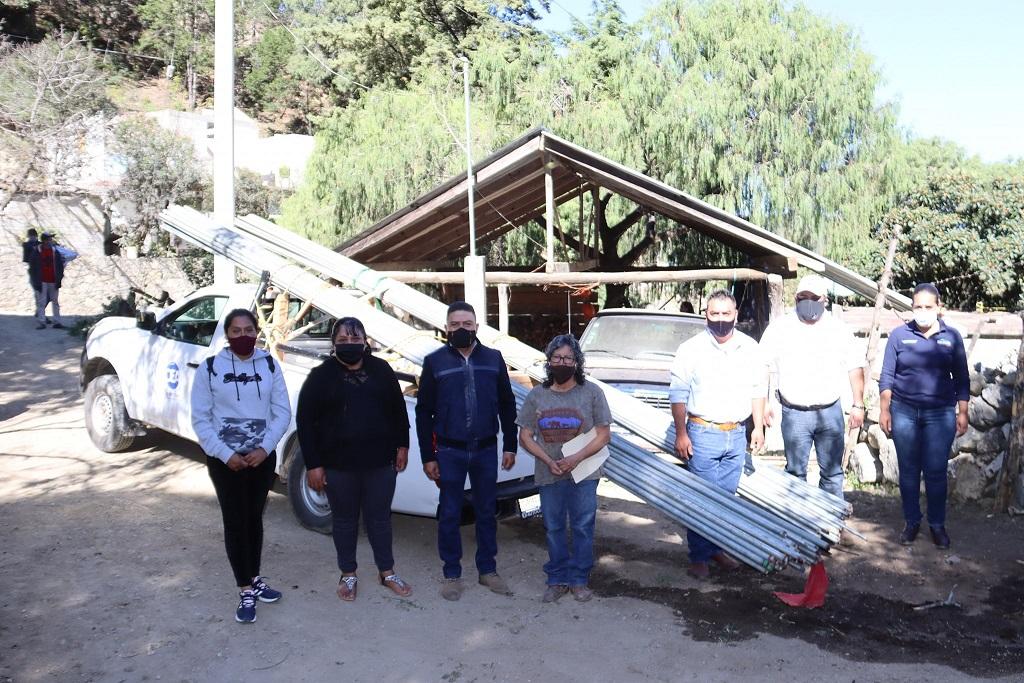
x: 814, y: 589
x: 47, y: 269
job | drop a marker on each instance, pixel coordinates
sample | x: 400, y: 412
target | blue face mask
x: 810, y: 310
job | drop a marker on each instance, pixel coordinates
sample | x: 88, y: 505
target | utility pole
x: 474, y: 267
x: 224, y: 130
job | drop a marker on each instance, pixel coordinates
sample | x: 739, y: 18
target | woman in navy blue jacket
x: 924, y: 389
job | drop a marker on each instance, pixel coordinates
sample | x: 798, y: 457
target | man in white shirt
x: 811, y: 358
x: 718, y: 382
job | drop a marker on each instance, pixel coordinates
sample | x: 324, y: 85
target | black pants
x: 368, y: 491
x: 242, y: 496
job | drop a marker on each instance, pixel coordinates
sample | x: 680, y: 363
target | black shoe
x: 909, y: 533
x: 939, y: 536
x: 58, y: 326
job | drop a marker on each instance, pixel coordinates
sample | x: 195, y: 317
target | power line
x: 95, y: 49
x: 309, y: 51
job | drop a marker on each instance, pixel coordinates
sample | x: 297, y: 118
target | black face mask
x: 562, y: 373
x: 721, y: 328
x: 809, y: 310
x: 349, y: 353
x: 461, y: 338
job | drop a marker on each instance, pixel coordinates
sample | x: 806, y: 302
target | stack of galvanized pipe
x: 774, y: 522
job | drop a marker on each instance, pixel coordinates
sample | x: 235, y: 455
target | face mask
x: 562, y: 373
x: 721, y: 328
x: 242, y: 346
x: 349, y: 353
x: 809, y: 310
x: 461, y: 338
x: 925, y: 319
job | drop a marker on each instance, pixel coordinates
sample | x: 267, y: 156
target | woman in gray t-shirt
x: 557, y: 411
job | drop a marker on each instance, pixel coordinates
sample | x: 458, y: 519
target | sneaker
x: 581, y: 593
x: 909, y: 533
x: 246, y: 612
x: 263, y: 592
x: 495, y: 583
x: 452, y: 589
x: 58, y: 326
x: 554, y: 592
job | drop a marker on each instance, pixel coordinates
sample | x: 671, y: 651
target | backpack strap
x: 209, y: 366
x: 270, y: 364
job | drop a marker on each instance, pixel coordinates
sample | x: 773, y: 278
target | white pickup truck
x: 138, y: 373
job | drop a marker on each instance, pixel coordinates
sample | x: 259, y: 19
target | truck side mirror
x: 146, y: 320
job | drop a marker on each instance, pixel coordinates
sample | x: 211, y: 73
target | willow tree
x: 765, y: 111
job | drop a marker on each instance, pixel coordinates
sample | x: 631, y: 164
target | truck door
x: 179, y: 346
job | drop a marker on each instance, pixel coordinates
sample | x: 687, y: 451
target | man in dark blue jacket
x: 464, y: 394
x: 45, y: 274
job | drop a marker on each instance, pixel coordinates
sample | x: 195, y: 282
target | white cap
x: 815, y: 284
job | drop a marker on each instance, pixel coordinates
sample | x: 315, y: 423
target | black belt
x: 473, y: 445
x: 794, y: 406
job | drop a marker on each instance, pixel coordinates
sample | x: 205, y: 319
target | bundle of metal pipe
x: 766, y: 537
x: 786, y: 496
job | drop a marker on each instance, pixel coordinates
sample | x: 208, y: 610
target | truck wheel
x: 309, y: 506
x: 106, y: 419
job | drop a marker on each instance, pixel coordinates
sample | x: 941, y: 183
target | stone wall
x: 976, y: 458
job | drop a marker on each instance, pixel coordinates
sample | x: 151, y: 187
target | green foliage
x: 182, y: 32
x: 765, y: 111
x: 160, y: 168
x: 964, y: 231
x: 266, y: 84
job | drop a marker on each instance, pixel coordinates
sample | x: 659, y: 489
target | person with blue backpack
x: 240, y: 411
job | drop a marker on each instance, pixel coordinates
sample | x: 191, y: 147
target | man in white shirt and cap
x: 812, y: 359
x: 718, y: 382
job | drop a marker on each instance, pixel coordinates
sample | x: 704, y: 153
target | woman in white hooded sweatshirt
x: 240, y: 410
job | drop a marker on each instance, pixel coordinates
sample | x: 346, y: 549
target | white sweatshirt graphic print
x: 241, y: 405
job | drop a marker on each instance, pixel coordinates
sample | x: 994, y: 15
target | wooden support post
x: 503, y: 309
x: 549, y: 217
x: 1008, y: 476
x: 776, y: 292
x: 875, y: 333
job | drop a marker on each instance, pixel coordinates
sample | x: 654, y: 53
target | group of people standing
x: 722, y: 380
x: 354, y: 431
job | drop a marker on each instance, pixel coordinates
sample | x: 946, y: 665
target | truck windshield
x: 638, y: 336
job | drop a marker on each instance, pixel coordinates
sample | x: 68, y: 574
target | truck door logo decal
x: 173, y: 375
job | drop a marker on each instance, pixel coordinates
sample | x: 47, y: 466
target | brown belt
x: 724, y: 426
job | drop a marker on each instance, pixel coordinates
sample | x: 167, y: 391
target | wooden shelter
x: 528, y: 179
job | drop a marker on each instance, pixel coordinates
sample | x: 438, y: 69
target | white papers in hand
x: 589, y: 465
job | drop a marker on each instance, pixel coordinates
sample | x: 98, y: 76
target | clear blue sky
x: 955, y: 68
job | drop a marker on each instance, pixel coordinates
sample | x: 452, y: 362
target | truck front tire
x: 106, y: 419
x: 311, y: 508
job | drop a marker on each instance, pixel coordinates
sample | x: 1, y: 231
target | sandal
x: 347, y: 587
x: 396, y: 584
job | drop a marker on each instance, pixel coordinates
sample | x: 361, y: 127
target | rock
x: 890, y: 465
x: 968, y: 443
x: 991, y: 441
x: 876, y: 436
x: 953, y: 559
x: 982, y: 415
x: 992, y: 469
x: 865, y: 465
x: 966, y: 479
x: 1000, y: 397
x: 977, y: 383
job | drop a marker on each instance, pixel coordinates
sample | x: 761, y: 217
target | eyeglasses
x: 562, y: 360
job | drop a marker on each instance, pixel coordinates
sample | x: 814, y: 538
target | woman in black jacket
x: 354, y: 434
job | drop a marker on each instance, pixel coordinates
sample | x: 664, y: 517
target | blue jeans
x: 923, y: 438
x: 826, y: 429
x: 577, y: 502
x: 482, y: 468
x: 718, y: 459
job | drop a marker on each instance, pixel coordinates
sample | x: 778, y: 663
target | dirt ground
x: 113, y: 570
